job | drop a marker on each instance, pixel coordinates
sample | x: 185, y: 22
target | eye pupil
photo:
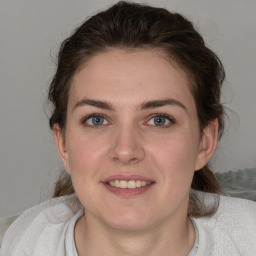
x: 97, y: 120
x: 159, y: 120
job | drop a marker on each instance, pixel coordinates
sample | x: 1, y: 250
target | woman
x: 136, y: 118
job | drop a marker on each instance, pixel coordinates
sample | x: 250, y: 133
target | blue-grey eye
x: 96, y: 120
x: 160, y: 120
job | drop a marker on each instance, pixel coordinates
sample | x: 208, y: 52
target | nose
x: 127, y: 146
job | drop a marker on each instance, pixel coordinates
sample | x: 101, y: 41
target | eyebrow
x: 161, y: 103
x: 94, y: 103
x: 146, y: 105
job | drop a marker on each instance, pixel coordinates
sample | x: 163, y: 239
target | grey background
x: 30, y: 34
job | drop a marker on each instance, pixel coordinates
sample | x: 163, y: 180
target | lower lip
x: 128, y: 192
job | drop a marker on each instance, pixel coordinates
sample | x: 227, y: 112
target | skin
x: 129, y: 142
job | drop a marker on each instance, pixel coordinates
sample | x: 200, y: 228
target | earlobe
x: 208, y: 144
x: 61, y: 145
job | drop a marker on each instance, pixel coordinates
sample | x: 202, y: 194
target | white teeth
x: 123, y: 184
x: 128, y: 184
x: 112, y: 183
x: 138, y: 183
x: 116, y: 184
x: 131, y: 184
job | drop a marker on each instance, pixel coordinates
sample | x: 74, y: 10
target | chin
x: 128, y: 221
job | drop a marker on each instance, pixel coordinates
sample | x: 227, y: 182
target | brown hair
x: 130, y: 25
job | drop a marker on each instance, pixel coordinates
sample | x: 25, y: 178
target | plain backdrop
x: 30, y: 34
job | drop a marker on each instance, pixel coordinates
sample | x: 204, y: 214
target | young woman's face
x: 132, y: 140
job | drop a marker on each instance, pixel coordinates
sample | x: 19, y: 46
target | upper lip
x: 127, y: 177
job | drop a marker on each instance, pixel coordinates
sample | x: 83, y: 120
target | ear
x: 208, y: 144
x: 61, y: 145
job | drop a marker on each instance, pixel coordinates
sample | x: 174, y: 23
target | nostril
x: 126, y: 160
x: 133, y: 160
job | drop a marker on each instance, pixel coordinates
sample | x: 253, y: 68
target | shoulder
x: 239, y: 208
x: 45, y: 222
x: 236, y: 215
x: 4, y: 225
x: 229, y: 207
x: 232, y: 229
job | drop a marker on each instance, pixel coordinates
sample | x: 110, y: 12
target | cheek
x: 85, y: 161
x: 84, y: 154
x: 175, y: 157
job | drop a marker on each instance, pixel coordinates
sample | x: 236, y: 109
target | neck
x: 93, y: 238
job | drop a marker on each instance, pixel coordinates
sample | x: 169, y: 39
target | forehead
x: 130, y: 75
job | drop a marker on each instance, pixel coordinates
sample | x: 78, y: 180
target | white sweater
x: 42, y: 230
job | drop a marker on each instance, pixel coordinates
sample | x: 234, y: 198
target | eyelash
x: 85, y: 119
x: 169, y: 118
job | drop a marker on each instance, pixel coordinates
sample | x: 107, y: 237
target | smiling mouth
x: 130, y: 184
